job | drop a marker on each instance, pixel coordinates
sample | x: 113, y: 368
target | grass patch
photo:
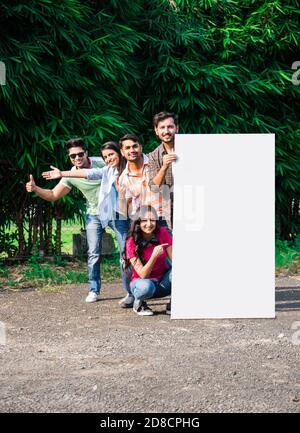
x: 68, y: 230
x: 288, y: 257
x: 49, y: 276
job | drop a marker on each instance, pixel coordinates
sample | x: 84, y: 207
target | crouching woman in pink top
x: 147, y: 247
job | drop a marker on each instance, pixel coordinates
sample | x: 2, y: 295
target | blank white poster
x: 224, y: 222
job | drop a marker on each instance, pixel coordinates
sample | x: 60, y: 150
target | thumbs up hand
x: 30, y: 186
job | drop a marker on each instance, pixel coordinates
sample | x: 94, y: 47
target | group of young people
x: 132, y: 193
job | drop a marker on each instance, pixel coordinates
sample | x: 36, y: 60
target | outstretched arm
x: 86, y: 173
x: 47, y: 194
x: 56, y: 173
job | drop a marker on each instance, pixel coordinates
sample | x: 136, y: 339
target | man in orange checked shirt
x: 134, y: 190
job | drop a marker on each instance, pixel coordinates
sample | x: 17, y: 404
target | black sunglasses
x: 73, y: 155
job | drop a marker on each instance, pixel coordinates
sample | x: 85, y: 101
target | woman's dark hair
x: 114, y: 146
x: 136, y: 233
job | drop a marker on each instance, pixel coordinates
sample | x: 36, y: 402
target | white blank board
x: 224, y: 221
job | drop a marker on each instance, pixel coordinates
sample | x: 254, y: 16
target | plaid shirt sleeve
x: 154, y: 167
x: 123, y: 195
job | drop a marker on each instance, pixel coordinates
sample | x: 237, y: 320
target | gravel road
x: 63, y: 355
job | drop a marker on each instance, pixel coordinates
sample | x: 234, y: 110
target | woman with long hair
x: 108, y: 208
x: 148, y: 246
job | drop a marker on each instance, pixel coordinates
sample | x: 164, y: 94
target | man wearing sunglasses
x: 77, y: 152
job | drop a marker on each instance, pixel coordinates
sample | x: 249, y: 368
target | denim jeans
x: 145, y: 288
x: 94, y: 233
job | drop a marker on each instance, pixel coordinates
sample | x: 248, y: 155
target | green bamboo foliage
x: 100, y: 69
x: 225, y: 67
x: 69, y: 73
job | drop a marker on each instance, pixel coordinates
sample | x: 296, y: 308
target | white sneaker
x: 92, y: 297
x: 127, y: 302
x: 141, y: 308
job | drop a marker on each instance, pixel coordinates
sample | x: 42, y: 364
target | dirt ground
x: 63, y: 355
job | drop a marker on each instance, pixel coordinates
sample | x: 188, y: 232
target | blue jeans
x: 94, y: 233
x: 145, y: 288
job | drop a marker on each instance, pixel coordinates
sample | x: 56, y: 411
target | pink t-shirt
x: 160, y: 266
